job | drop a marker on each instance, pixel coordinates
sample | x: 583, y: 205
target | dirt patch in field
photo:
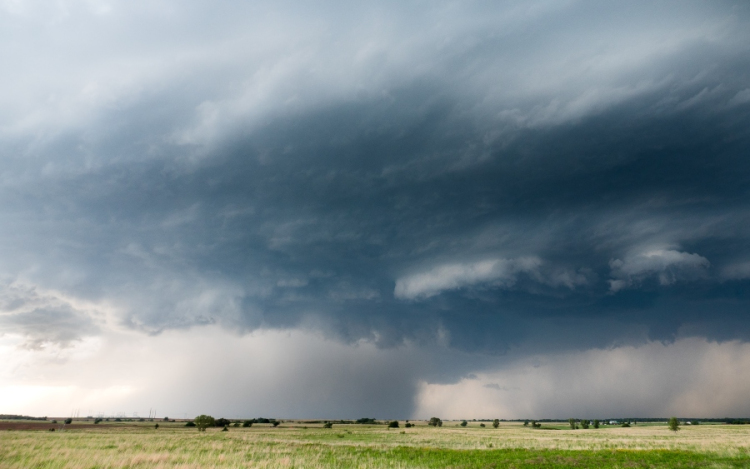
x: 45, y: 426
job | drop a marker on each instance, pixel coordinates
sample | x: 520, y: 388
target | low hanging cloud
x: 492, y: 273
x: 666, y: 266
x: 497, y: 272
x: 44, y: 318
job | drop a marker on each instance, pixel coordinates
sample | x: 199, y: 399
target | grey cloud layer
x: 395, y: 172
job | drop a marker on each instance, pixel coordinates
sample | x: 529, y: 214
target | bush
x: 156, y: 427
x: 54, y: 421
x: 435, y: 422
x: 166, y: 419
x: 625, y: 425
x: 97, y: 421
x: 190, y: 424
x: 525, y: 423
x: 222, y: 422
x: 481, y: 425
x: 534, y: 424
x: 236, y: 424
x: 408, y: 425
x: 673, y: 424
x: 464, y: 423
x: 275, y: 423
x: 225, y: 429
x: 68, y: 421
x: 393, y: 424
x: 496, y: 423
x: 585, y: 424
x: 366, y: 421
x: 203, y: 422
x: 596, y: 423
x: 247, y: 423
x: 328, y: 425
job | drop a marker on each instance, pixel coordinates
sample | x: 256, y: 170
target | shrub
x: 534, y: 424
x: 435, y: 422
x: 190, y: 424
x: 367, y: 421
x: 525, y: 423
x: 328, y: 425
x: 673, y: 424
x: 596, y: 423
x: 54, y: 421
x: 225, y: 429
x: 97, y: 421
x: 573, y: 424
x: 156, y: 427
x: 393, y: 424
x: 585, y: 424
x: 118, y: 420
x: 464, y: 423
x: 275, y: 423
x: 222, y: 422
x: 247, y: 423
x: 625, y: 425
x: 481, y: 425
x: 236, y: 424
x: 68, y: 421
x: 203, y: 422
x: 496, y: 423
x: 408, y: 425
x: 166, y: 419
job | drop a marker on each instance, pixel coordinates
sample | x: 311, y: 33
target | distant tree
x: 625, y: 425
x: 496, y: 423
x: 328, y: 425
x: 247, y: 423
x: 54, y: 421
x: 203, y: 422
x: 535, y: 424
x: 166, y: 419
x: 435, y: 422
x: 464, y: 423
x: 222, y: 422
x: 225, y: 429
x: 573, y: 424
x: 585, y: 424
x: 696, y: 422
x: 482, y: 425
x: 393, y: 424
x: 236, y: 424
x: 156, y: 427
x: 96, y: 421
x: 596, y: 423
x: 68, y: 421
x: 190, y: 424
x: 408, y: 425
x: 366, y: 421
x: 275, y: 423
x: 525, y: 423
x: 673, y: 424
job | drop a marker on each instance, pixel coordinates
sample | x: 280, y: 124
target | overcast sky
x: 396, y: 210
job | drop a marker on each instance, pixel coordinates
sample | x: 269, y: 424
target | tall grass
x: 355, y: 446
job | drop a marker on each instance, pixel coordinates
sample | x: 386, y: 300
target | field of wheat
x: 303, y: 445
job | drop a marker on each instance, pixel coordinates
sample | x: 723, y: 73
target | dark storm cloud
x: 491, y: 177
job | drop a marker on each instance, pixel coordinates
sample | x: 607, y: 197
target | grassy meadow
x: 306, y: 445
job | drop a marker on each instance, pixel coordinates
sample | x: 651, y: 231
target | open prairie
x: 306, y: 445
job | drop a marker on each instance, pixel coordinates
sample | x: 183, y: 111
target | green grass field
x: 357, y: 446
